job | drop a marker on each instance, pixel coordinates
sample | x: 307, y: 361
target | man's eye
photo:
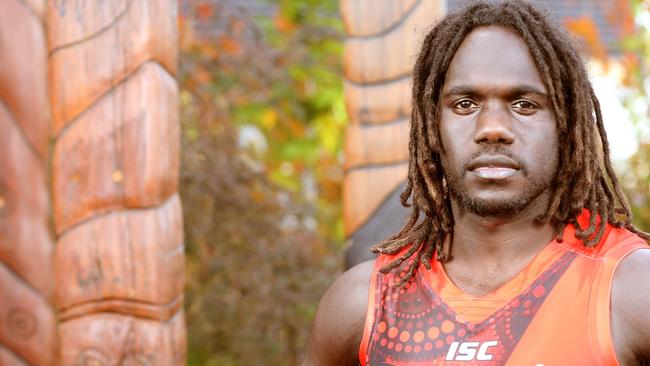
x: 465, y: 104
x: 524, y: 105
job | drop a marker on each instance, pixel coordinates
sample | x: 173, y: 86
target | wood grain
x: 28, y: 334
x: 39, y: 7
x: 376, y: 144
x: 119, y: 257
x: 391, y: 55
x: 386, y: 220
x: 82, y: 74
x: 369, y: 17
x: 378, y: 103
x: 23, y: 72
x: 97, y: 16
x: 25, y: 243
x: 113, y: 339
x: 160, y: 312
x: 383, y: 40
x: 365, y: 189
x: 122, y: 152
x: 28, y: 326
x: 139, y: 260
x: 7, y: 358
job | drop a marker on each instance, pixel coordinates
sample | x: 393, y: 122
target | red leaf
x: 204, y: 11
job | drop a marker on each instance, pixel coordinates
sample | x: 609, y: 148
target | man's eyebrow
x: 526, y: 89
x: 515, y: 91
x: 461, y: 90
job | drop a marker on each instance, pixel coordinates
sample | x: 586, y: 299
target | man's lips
x: 494, y: 173
x: 493, y: 167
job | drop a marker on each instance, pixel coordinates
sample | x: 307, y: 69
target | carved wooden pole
x: 27, y: 320
x: 119, y: 253
x: 384, y: 37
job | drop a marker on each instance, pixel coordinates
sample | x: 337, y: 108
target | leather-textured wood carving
x: 27, y: 319
x: 131, y: 137
x: 119, y: 255
x: 115, y: 339
x: 149, y: 247
x: 88, y: 62
x: 383, y: 39
x: 10, y: 359
x: 376, y: 144
x: 365, y: 189
x: 23, y: 72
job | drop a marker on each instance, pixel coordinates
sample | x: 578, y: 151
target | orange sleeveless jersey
x: 554, y: 312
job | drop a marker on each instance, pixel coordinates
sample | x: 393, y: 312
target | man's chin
x: 499, y: 203
x: 494, y: 207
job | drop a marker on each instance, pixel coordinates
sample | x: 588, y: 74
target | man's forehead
x: 493, y: 55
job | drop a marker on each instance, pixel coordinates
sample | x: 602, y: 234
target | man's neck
x: 483, y: 238
x: 487, y: 251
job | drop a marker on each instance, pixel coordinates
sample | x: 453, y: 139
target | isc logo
x: 467, y: 351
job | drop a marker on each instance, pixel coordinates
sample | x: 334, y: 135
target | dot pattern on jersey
x: 413, y: 323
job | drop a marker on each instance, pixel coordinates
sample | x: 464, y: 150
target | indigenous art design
x: 413, y: 324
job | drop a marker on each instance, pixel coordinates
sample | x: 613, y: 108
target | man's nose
x: 493, y: 125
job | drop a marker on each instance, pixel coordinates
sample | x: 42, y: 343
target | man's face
x: 498, y: 131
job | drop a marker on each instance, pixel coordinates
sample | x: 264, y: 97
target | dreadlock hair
x: 582, y: 179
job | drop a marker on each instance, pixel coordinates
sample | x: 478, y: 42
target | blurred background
x: 262, y: 98
x: 181, y: 180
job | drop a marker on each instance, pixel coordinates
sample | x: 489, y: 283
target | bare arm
x: 631, y: 309
x: 340, y: 319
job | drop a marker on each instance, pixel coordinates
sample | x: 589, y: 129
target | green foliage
x: 636, y: 177
x: 262, y: 219
x: 638, y: 183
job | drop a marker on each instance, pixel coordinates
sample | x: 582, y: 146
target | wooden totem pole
x: 89, y: 143
x: 28, y: 326
x: 384, y: 37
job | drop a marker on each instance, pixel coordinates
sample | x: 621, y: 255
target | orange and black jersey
x: 554, y: 312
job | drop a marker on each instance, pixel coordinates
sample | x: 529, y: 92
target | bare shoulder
x: 338, y: 326
x: 630, y: 301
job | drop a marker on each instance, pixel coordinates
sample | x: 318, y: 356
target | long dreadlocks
x: 582, y: 180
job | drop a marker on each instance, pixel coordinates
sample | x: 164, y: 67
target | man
x: 519, y: 249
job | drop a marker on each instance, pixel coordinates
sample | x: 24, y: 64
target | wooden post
x: 117, y: 216
x: 27, y: 319
x: 384, y: 37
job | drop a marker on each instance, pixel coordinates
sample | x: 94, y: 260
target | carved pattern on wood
x: 119, y: 257
x: 28, y: 323
x: 114, y: 339
x: 136, y: 308
x: 21, y: 323
x: 37, y: 7
x: 131, y: 136
x: 383, y: 39
x: 379, y: 15
x: 378, y: 103
x: 81, y: 73
x: 27, y: 319
x: 376, y: 144
x: 389, y: 55
x: 6, y: 201
x: 23, y: 73
x: 10, y: 359
x: 25, y: 243
x: 97, y: 16
x: 365, y: 189
x: 137, y: 265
